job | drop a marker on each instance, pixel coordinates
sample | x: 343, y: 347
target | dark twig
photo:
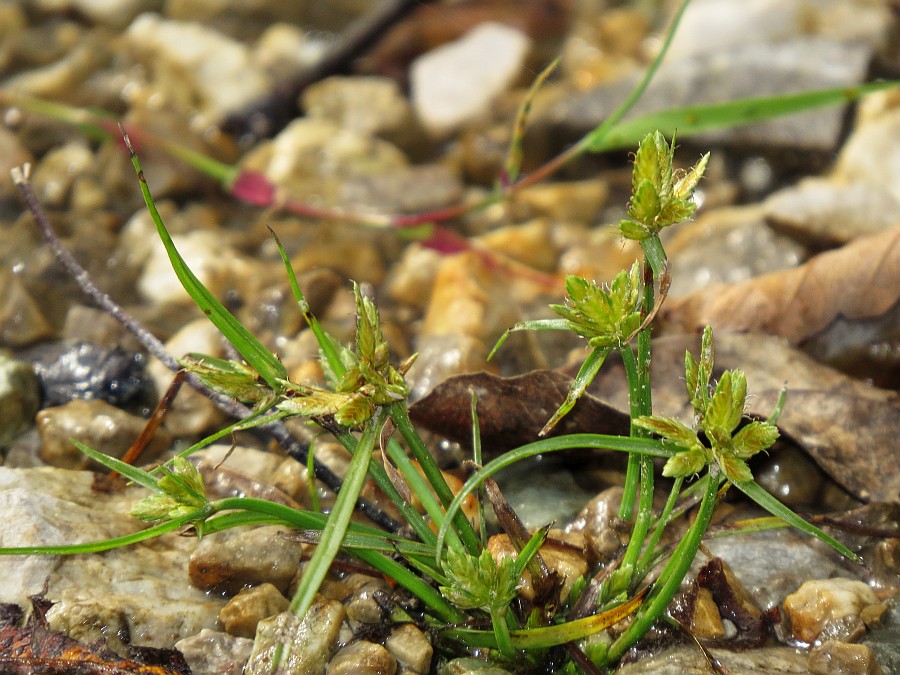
x: 269, y: 114
x: 154, y: 346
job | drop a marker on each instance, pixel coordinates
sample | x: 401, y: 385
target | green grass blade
x: 696, y: 119
x: 130, y: 472
x: 339, y: 518
x: 645, y: 446
x: 107, y: 544
x: 327, y: 344
x: 254, y: 352
x: 776, y: 508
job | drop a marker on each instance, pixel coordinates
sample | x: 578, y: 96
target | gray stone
x: 686, y: 660
x: 305, y: 644
x: 470, y: 666
x: 822, y: 213
x: 872, y: 153
x: 139, y: 590
x: 20, y: 398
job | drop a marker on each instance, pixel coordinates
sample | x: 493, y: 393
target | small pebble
x: 842, y: 658
x: 457, y: 82
x: 820, y: 601
x: 306, y: 645
x: 98, y: 425
x: 410, y: 647
x: 362, y: 658
x: 240, y: 616
x: 225, y: 562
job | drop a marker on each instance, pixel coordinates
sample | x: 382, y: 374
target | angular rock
x: 753, y: 70
x: 684, y: 660
x: 410, y: 647
x: 872, y: 153
x: 457, y: 82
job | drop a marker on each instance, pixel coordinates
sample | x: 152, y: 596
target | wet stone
x: 211, y: 651
x: 361, y: 605
x: 840, y: 658
x: 568, y: 563
x: 820, y: 602
x: 309, y: 643
x: 225, y: 562
x: 240, y: 616
x: 89, y: 371
x: 410, y: 647
x: 97, y: 424
x: 19, y: 397
x: 686, y: 660
x: 362, y: 658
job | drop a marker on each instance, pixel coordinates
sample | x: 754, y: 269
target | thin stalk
x: 643, y: 565
x: 400, y: 416
x: 413, y: 518
x: 674, y: 572
x: 632, y: 472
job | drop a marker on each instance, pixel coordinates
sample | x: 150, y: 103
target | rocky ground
x: 793, y: 256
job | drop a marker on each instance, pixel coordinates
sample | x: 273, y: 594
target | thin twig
x: 294, y: 447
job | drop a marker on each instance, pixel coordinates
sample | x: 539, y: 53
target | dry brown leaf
x: 511, y: 410
x: 859, y: 281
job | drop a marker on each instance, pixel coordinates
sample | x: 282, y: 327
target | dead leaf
x: 511, y: 411
x: 35, y: 648
x: 859, y: 281
x: 847, y: 426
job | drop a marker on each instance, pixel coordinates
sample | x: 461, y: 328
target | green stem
x: 673, y: 573
x: 644, y: 563
x: 632, y: 472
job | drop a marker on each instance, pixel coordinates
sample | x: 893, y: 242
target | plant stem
x: 661, y: 522
x: 674, y: 572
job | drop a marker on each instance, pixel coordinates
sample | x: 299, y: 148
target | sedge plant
x: 471, y: 599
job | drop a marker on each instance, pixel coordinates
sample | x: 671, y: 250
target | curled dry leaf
x: 512, y: 410
x: 847, y: 426
x: 858, y: 281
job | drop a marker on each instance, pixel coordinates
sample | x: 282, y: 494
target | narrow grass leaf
x: 130, y: 472
x: 255, y: 353
x: 695, y: 119
x: 776, y: 508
